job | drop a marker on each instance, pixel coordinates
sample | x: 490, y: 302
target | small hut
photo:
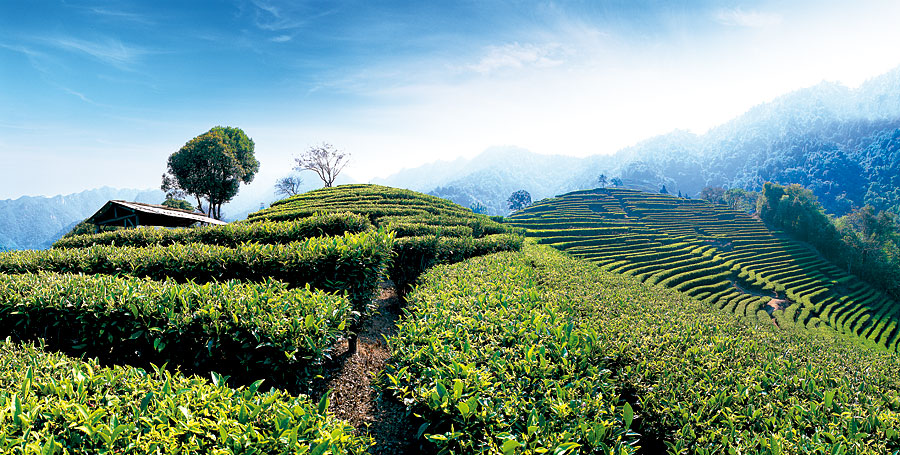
x: 133, y: 214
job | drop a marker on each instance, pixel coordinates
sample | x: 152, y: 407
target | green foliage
x: 720, y: 255
x: 415, y: 255
x: 246, y: 331
x: 180, y: 204
x: 554, y: 354
x: 429, y: 230
x: 353, y: 262
x: 740, y: 199
x: 230, y: 235
x: 714, y: 194
x: 495, y: 364
x: 862, y: 242
x: 55, y: 404
x: 795, y: 209
x: 211, y: 167
x: 518, y: 200
x: 86, y: 228
x: 373, y: 200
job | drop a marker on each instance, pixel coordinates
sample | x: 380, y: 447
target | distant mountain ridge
x: 842, y: 143
x: 35, y: 222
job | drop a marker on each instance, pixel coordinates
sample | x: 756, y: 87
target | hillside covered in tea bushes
x: 210, y: 340
x: 715, y: 254
x: 258, y: 307
x: 539, y: 352
x: 428, y: 229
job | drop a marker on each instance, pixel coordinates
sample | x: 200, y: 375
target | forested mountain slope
x: 842, y: 143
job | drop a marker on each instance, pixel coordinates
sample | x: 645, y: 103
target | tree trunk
x: 353, y: 344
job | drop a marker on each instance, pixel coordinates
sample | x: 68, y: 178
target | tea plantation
x: 253, y: 309
x: 539, y: 352
x: 715, y: 254
x: 205, y: 340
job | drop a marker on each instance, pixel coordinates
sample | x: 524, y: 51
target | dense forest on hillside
x: 845, y: 163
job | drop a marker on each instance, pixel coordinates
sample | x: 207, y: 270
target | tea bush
x: 534, y: 352
x: 246, y: 331
x: 353, y: 262
x: 230, y: 235
x: 714, y: 253
x: 429, y: 230
x: 53, y: 404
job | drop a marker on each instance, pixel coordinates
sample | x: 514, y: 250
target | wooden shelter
x: 133, y: 214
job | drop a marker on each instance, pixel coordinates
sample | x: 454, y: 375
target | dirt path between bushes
x: 354, y: 397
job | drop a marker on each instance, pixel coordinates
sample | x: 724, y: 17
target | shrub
x: 353, y: 262
x: 56, y: 404
x: 230, y: 235
x: 246, y: 331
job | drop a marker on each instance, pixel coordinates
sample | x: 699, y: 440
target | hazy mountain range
x: 35, y: 222
x: 31, y: 222
x: 842, y: 143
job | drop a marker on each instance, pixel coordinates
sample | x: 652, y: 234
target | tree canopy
x: 178, y: 204
x: 518, y: 200
x: 478, y: 207
x: 211, y: 167
x: 714, y: 194
x: 865, y: 242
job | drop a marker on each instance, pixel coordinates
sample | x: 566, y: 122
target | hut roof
x: 124, y: 213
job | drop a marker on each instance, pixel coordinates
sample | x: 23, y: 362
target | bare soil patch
x: 777, y: 304
x: 354, y: 395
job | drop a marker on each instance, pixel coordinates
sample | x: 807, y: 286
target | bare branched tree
x: 288, y: 186
x: 325, y: 160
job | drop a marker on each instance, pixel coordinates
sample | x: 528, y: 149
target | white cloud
x: 121, y: 15
x: 281, y: 39
x: 737, y: 17
x: 78, y: 94
x: 110, y: 51
x: 516, y: 56
x: 272, y: 18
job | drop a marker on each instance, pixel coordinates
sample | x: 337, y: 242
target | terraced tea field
x: 429, y: 230
x: 716, y: 254
x: 244, y: 317
x: 503, y: 347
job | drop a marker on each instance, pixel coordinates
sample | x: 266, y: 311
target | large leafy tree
x: 518, y: 200
x: 178, y: 204
x: 211, y: 167
x: 714, y: 194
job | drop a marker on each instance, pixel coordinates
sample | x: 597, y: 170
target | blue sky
x: 99, y: 93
